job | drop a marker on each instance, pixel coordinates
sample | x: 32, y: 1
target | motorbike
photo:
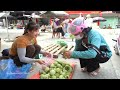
x: 117, y: 45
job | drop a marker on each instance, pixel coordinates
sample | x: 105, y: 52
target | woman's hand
x: 46, y: 54
x: 40, y: 61
x: 67, y: 54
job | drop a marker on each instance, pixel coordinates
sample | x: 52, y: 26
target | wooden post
x: 0, y: 44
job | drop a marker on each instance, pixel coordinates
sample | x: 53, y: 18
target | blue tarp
x: 8, y: 70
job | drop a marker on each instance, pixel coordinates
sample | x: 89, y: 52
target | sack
x: 8, y: 70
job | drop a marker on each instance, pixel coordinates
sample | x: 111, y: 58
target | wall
x: 113, y: 21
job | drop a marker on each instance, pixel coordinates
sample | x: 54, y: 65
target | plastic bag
x: 67, y: 35
x: 8, y: 70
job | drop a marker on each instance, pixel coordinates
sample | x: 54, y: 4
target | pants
x: 31, y: 52
x: 90, y: 64
x: 60, y: 30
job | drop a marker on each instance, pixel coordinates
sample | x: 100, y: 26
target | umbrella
x: 17, y: 13
x: 22, y: 18
x: 35, y: 16
x: 28, y: 12
x: 67, y: 21
x: 96, y: 19
x: 9, y: 17
x: 53, y: 14
x: 60, y: 13
x: 2, y: 14
x: 44, y: 21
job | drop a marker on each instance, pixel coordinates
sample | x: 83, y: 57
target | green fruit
x: 64, y: 70
x: 66, y: 76
x: 55, y: 63
x: 54, y: 77
x: 62, y: 43
x: 46, y: 69
x: 63, y: 64
x: 50, y: 78
x: 52, y: 65
x: 58, y: 70
x: 68, y: 68
x: 47, y: 76
x: 43, y: 72
x: 63, y: 73
x: 52, y: 72
x: 58, y: 65
x: 72, y: 36
x: 44, y: 76
x: 60, y: 62
x: 61, y: 77
x: 57, y: 75
x: 68, y: 73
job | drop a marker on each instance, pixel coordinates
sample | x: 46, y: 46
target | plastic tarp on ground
x: 8, y: 70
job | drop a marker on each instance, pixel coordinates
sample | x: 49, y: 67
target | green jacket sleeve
x: 94, y: 39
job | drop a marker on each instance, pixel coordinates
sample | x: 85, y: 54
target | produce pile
x: 62, y: 43
x: 57, y: 70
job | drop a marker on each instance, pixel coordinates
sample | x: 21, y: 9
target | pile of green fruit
x: 57, y: 70
x: 62, y: 43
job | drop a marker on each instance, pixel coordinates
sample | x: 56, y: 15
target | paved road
x: 109, y: 70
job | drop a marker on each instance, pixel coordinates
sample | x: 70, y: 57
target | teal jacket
x: 95, y: 38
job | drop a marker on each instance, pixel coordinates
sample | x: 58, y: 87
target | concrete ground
x: 109, y: 70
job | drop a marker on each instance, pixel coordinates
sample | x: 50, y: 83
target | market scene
x: 59, y: 45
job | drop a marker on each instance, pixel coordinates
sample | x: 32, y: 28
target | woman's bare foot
x: 84, y: 69
x: 94, y: 73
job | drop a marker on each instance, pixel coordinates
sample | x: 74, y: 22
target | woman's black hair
x: 31, y: 26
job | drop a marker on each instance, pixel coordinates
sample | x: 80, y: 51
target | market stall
x: 56, y: 67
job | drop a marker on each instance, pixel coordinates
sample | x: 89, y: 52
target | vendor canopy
x: 83, y: 12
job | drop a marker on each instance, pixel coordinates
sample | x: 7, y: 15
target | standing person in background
x: 104, y: 27
x: 54, y: 28
x: 30, y: 20
x: 109, y: 27
x: 68, y: 24
x: 43, y: 28
x: 60, y: 31
x: 65, y: 25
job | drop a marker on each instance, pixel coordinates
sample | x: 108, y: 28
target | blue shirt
x: 95, y: 38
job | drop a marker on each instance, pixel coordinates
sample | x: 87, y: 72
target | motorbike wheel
x: 116, y: 50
